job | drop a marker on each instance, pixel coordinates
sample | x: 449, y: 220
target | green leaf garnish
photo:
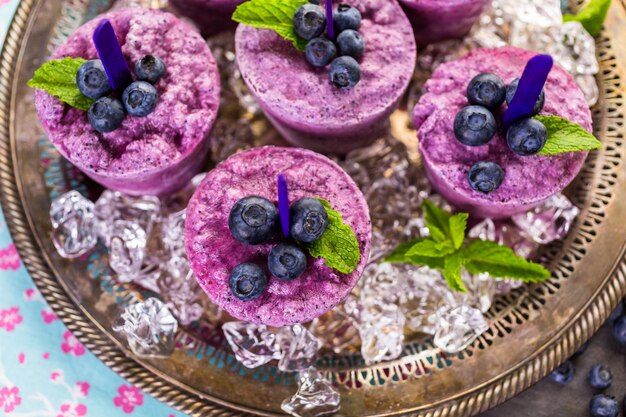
x: 452, y: 271
x: 458, y: 224
x: 58, y: 78
x: 445, y: 251
x: 272, y: 14
x: 483, y: 256
x: 591, y: 16
x: 338, y: 245
x: 437, y: 220
x: 430, y: 248
x: 565, y: 136
x: 399, y: 256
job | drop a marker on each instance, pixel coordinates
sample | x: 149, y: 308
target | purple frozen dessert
x: 300, y: 100
x: 438, y: 20
x: 528, y: 180
x: 158, y: 153
x: 211, y: 16
x: 213, y: 251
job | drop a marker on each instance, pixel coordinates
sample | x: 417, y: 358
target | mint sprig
x: 272, y: 14
x: 338, y: 245
x: 565, y: 136
x: 447, y: 251
x: 58, y: 78
x: 591, y: 16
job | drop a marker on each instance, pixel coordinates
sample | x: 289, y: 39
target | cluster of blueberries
x: 255, y: 220
x: 310, y: 22
x: 138, y: 99
x: 475, y: 125
x: 600, y: 376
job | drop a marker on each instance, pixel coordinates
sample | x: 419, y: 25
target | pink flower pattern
x: 71, y: 345
x: 9, y: 398
x: 10, y: 318
x: 129, y: 397
x: 48, y: 316
x: 72, y: 410
x: 9, y: 258
x: 83, y: 388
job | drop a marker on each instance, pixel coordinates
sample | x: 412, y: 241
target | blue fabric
x: 44, y: 370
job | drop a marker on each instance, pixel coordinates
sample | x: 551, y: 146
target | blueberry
x: 346, y: 17
x: 106, y: 114
x: 564, y: 374
x: 486, y: 90
x: 485, y: 176
x: 474, y: 126
x: 600, y: 377
x: 526, y: 137
x: 603, y: 406
x: 253, y: 220
x: 345, y: 72
x: 308, y: 220
x: 150, y: 69
x: 139, y: 98
x: 247, y: 281
x: 350, y: 43
x: 619, y: 329
x: 320, y: 51
x: 92, y: 80
x: 286, y: 261
x: 309, y: 21
x: 512, y: 88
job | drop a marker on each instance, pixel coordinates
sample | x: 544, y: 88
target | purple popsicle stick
x: 111, y: 55
x: 529, y: 88
x: 330, y: 24
x: 283, y: 203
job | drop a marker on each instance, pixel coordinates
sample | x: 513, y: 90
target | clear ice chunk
x: 181, y: 291
x: 457, y: 327
x: 149, y: 327
x: 253, y: 344
x: 337, y: 330
x: 315, y: 397
x: 73, y: 225
x: 549, y: 221
x: 382, y: 331
x: 173, y: 232
x: 481, y: 289
x: 113, y: 206
x: 127, y: 249
x: 298, y: 347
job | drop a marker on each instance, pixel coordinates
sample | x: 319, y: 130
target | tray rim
x: 477, y: 399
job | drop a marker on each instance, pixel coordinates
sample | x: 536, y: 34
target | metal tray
x: 531, y: 330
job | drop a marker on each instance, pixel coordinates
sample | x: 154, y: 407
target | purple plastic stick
x: 330, y: 24
x: 111, y: 55
x: 529, y: 88
x: 283, y: 203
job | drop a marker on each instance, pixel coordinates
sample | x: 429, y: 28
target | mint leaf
x: 437, y: 221
x: 338, y: 245
x: 399, y: 253
x: 591, y: 16
x: 430, y: 248
x: 565, y: 136
x: 501, y: 262
x: 452, y: 271
x: 272, y: 14
x: 399, y: 256
x: 58, y: 78
x: 458, y: 224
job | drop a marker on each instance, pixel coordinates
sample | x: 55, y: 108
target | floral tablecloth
x: 44, y: 370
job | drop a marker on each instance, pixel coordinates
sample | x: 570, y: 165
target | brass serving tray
x: 531, y: 330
